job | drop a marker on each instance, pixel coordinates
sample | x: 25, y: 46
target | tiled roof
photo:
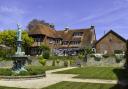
x: 114, y: 33
x: 68, y: 36
x: 65, y: 35
x: 43, y: 29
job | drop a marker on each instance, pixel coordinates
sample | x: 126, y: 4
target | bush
x: 71, y: 62
x: 65, y: 63
x: 54, y: 62
x: 42, y: 61
x: 46, y: 55
x: 57, y: 61
x: 92, y: 55
x: 5, y: 72
x: 23, y: 73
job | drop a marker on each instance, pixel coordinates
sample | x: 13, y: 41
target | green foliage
x: 6, y: 53
x: 66, y: 63
x: 5, y: 72
x: 46, y: 54
x: 42, y: 61
x: 8, y: 38
x: 71, y: 62
x: 44, y: 47
x: 45, y: 50
x: 80, y: 56
x: 27, y: 41
x: 54, y: 62
x: 31, y: 70
x: 88, y: 50
x: 58, y: 61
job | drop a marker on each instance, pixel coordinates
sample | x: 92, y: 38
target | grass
x: 78, y: 85
x: 97, y: 73
x: 32, y: 70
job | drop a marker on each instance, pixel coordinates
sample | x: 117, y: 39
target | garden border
x: 22, y: 77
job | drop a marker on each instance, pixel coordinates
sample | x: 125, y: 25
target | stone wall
x: 110, y: 61
x: 90, y: 62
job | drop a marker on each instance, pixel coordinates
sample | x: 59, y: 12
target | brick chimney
x: 66, y: 29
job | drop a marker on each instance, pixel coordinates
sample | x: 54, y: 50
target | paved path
x: 50, y: 79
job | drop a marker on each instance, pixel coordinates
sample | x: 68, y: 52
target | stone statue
x: 19, y: 57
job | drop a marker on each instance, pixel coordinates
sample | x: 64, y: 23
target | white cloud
x: 10, y: 16
x: 15, y: 10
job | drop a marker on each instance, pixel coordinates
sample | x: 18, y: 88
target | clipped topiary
x: 42, y: 61
x: 54, y: 62
x: 57, y: 61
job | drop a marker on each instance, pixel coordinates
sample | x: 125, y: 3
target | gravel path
x: 50, y: 79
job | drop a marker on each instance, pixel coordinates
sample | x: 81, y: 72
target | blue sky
x: 103, y: 14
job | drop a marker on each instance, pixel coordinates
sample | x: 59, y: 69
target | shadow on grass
x: 122, y: 75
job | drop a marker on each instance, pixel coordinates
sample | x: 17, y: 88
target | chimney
x: 66, y: 29
x: 92, y: 27
x: 93, y: 34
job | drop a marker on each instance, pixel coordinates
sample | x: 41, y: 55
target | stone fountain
x: 19, y: 59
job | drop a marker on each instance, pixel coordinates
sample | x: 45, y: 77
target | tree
x: 45, y: 51
x: 27, y: 41
x: 34, y: 22
x: 85, y: 52
x: 8, y: 38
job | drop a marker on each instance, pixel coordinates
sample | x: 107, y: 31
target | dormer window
x: 75, y: 42
x: 77, y: 33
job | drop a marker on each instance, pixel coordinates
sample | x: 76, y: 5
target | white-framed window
x: 77, y: 33
x: 75, y: 42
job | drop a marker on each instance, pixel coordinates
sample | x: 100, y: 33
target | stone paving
x: 51, y: 79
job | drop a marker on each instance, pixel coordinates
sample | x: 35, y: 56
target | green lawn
x: 78, y: 85
x: 98, y: 73
x: 32, y: 70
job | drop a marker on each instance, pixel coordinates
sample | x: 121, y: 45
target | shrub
x: 42, y: 61
x: 5, y: 72
x: 54, y: 62
x: 71, y: 62
x: 65, y: 63
x: 57, y: 61
x: 92, y: 55
x: 23, y: 73
x: 80, y: 56
x: 46, y: 55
